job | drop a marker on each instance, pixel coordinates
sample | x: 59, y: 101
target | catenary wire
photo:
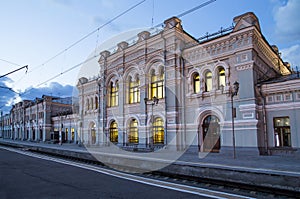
x: 77, y: 65
x: 88, y: 35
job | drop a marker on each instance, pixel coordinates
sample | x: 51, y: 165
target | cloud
x: 54, y: 89
x: 287, y: 17
x: 292, y: 55
x: 7, y: 96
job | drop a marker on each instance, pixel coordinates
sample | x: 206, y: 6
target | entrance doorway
x: 211, y: 134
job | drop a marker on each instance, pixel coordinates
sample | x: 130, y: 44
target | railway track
x: 215, y: 185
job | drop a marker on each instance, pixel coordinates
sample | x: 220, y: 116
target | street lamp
x: 233, y: 91
x: 152, y: 102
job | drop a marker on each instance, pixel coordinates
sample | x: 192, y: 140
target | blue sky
x: 33, y: 31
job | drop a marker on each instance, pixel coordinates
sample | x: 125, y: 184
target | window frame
x: 157, y: 86
x: 133, y: 132
x: 208, y: 81
x: 282, y: 132
x: 113, y: 132
x: 221, y: 78
x: 158, y: 131
x: 114, y: 94
x: 196, y: 83
x: 134, y: 91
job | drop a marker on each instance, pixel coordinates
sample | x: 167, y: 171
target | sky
x: 33, y: 32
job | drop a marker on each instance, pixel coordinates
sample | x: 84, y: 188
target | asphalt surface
x: 27, y: 177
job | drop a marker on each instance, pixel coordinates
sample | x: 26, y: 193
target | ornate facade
x: 170, y: 90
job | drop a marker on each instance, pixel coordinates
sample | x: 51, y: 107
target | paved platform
x: 281, y: 172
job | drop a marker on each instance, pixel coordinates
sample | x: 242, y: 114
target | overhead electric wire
x: 89, y: 34
x: 89, y: 59
x: 9, y: 62
x: 189, y: 11
x: 8, y: 88
x: 68, y: 70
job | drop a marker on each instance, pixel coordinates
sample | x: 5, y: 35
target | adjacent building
x: 36, y: 120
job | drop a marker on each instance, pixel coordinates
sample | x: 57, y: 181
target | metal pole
x: 146, y: 118
x: 15, y: 71
x: 232, y: 117
x: 151, y: 133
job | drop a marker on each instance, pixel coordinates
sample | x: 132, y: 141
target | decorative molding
x: 244, y: 67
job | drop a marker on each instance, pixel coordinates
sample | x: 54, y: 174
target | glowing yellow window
x: 72, y: 133
x: 196, y: 83
x: 134, y: 91
x: 157, y: 86
x: 221, y: 78
x: 114, y: 94
x: 208, y: 81
x: 113, y: 132
x: 158, y: 131
x: 133, y: 135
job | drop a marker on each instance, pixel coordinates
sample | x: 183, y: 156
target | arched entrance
x: 210, y: 134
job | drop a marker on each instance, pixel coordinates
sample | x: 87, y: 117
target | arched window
x: 158, y: 131
x: 221, y: 78
x: 96, y: 103
x: 134, y: 91
x: 157, y: 85
x: 87, y: 104
x: 114, y: 94
x: 196, y: 83
x: 208, y: 81
x: 92, y: 104
x: 113, y: 132
x: 133, y: 135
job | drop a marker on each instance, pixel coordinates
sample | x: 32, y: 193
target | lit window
x: 114, y: 94
x: 208, y: 81
x: 133, y: 135
x: 221, y: 78
x: 134, y: 91
x: 72, y: 133
x: 113, y: 132
x: 158, y: 131
x: 282, y: 132
x: 157, y: 86
x: 196, y: 83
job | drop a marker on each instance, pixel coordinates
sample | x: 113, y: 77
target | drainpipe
x: 182, y: 64
x: 165, y: 76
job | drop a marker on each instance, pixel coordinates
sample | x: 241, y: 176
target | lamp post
x: 152, y: 102
x: 233, y: 91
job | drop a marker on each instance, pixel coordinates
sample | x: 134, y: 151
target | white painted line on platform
x: 139, y: 179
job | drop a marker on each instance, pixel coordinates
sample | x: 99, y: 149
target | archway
x: 210, y: 134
